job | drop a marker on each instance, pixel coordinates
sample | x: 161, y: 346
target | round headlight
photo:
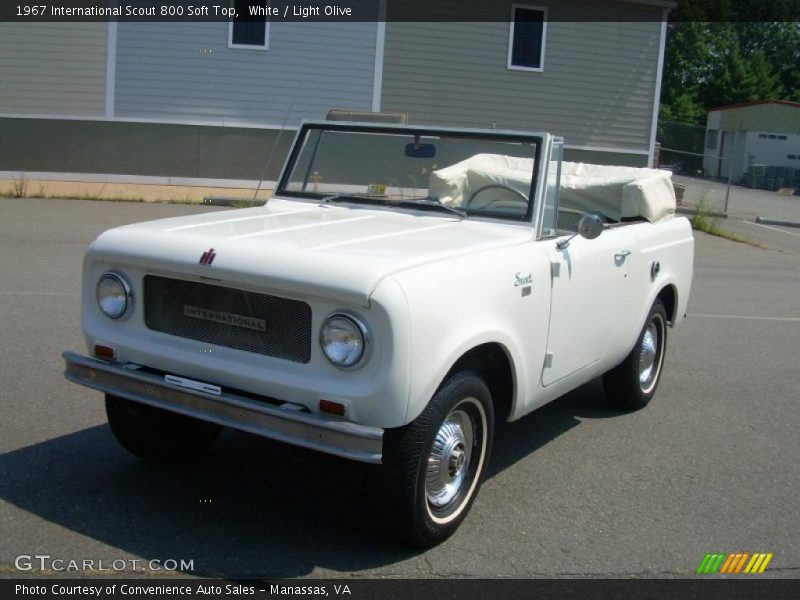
x: 343, y: 340
x: 113, y: 295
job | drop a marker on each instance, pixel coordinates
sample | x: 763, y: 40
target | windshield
x: 461, y: 174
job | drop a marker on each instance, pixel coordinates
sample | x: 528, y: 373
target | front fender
x: 499, y: 297
x: 427, y: 385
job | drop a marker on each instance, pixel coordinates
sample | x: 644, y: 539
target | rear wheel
x: 435, y: 465
x: 158, y: 435
x: 632, y: 384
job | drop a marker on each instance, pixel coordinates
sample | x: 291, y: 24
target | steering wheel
x: 490, y: 186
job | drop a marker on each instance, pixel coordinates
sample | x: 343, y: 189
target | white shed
x: 759, y: 141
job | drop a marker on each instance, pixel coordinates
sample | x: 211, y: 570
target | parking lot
x: 744, y: 208
x: 574, y: 489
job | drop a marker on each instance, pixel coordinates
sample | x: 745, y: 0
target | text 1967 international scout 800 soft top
x: 404, y: 289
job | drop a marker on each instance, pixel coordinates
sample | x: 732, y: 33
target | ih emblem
x: 208, y: 257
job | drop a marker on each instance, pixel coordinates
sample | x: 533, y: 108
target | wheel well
x: 491, y: 362
x: 667, y: 296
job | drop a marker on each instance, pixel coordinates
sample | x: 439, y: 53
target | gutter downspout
x: 380, y: 42
x: 111, y: 67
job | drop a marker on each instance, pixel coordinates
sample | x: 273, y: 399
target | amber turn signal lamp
x: 334, y: 408
x: 104, y: 352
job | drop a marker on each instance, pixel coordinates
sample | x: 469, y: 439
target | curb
x: 777, y: 222
x: 693, y: 211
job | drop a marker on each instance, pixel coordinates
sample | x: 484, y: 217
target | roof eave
x: 754, y: 103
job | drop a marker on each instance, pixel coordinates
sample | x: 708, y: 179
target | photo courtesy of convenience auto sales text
x: 182, y: 589
x: 404, y: 290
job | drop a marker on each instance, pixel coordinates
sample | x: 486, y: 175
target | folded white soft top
x: 615, y: 192
x: 455, y: 185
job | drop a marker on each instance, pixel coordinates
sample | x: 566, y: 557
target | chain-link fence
x: 682, y: 147
x: 702, y: 175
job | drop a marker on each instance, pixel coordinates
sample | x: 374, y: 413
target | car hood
x: 303, y: 248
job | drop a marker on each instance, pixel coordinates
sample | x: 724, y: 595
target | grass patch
x: 184, y: 199
x: 702, y: 221
x: 20, y: 188
x: 41, y: 193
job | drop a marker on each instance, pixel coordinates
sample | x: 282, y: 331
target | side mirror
x: 590, y: 226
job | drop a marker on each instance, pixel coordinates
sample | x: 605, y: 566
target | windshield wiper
x: 433, y: 204
x: 422, y: 203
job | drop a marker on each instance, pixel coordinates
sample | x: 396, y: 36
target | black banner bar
x: 402, y: 589
x: 32, y: 11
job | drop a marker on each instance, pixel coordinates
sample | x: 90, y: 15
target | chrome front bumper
x: 341, y: 438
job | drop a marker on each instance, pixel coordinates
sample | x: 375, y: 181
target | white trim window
x: 246, y: 31
x: 526, y: 38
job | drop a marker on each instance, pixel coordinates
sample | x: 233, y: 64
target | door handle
x: 622, y: 254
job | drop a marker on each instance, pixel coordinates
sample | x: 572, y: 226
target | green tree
x: 685, y: 69
x: 779, y: 42
x: 725, y: 51
x: 734, y: 77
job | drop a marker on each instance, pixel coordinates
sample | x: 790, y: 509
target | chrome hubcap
x: 649, y: 356
x: 448, y: 462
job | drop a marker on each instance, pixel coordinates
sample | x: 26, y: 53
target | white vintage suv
x: 404, y: 289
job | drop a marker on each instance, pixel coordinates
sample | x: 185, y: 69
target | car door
x: 589, y: 289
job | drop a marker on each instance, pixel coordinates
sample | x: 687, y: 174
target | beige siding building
x: 207, y: 101
x: 53, y: 68
x: 592, y: 75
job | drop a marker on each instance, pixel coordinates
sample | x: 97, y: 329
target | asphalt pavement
x: 574, y: 489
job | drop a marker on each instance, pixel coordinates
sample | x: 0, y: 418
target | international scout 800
x: 404, y: 289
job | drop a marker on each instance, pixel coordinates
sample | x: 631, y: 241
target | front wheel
x: 158, y: 435
x: 434, y: 466
x: 632, y: 384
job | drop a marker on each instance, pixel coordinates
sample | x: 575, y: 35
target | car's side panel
x: 671, y: 245
x: 464, y: 313
x: 591, y: 299
x: 461, y: 303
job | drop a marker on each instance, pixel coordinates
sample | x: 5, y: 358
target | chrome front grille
x: 238, y: 319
